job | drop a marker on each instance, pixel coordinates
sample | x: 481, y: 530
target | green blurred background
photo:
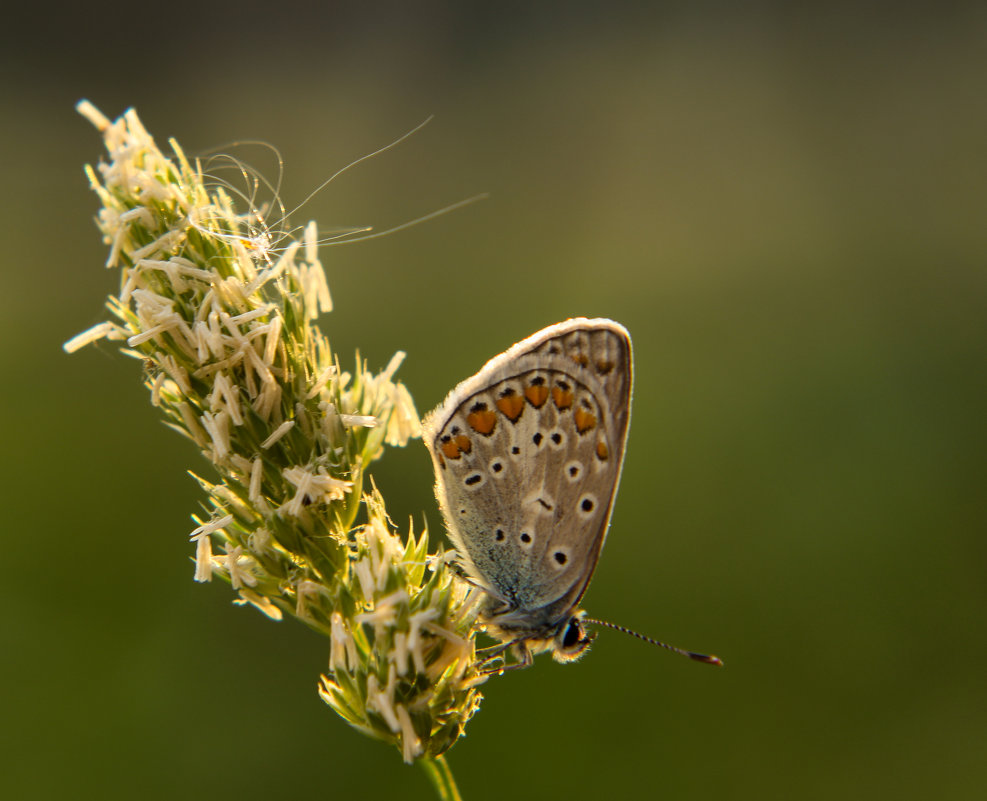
x: 784, y: 204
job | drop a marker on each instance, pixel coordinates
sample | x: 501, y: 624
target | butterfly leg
x: 489, y: 656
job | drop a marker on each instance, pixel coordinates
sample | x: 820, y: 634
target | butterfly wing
x: 527, y: 455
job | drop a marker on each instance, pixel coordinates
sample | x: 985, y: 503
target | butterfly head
x: 572, y: 640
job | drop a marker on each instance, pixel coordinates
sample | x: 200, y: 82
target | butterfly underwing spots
x: 540, y: 501
x: 510, y: 404
x: 499, y: 535
x: 559, y: 557
x: 516, y: 452
x: 602, y: 451
x: 526, y: 539
x: 581, y: 359
x: 603, y: 366
x: 586, y: 504
x: 536, y: 392
x: 537, y: 438
x: 497, y: 468
x: 557, y: 439
x: 454, y: 446
x: 473, y: 480
x: 562, y: 395
x: 481, y: 419
x: 574, y: 470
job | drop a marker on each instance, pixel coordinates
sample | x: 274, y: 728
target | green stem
x: 440, y: 773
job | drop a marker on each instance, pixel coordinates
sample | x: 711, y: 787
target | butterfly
x: 528, y: 455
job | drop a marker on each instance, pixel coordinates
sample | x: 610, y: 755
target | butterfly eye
x: 572, y: 634
x: 572, y: 641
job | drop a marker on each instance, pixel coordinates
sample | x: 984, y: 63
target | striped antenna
x: 708, y: 659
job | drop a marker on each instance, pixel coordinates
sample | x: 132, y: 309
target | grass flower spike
x: 223, y: 321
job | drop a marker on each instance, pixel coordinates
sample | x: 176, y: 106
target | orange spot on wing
x: 602, y: 452
x: 482, y: 420
x: 562, y: 397
x: 604, y: 367
x: 454, y: 447
x: 536, y: 394
x: 511, y: 404
x: 581, y: 359
x: 584, y: 420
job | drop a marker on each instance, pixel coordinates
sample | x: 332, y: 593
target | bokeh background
x: 785, y: 204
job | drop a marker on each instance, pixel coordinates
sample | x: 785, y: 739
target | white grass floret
x: 90, y: 335
x: 278, y: 432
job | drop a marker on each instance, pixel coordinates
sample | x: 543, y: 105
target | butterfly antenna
x: 707, y: 658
